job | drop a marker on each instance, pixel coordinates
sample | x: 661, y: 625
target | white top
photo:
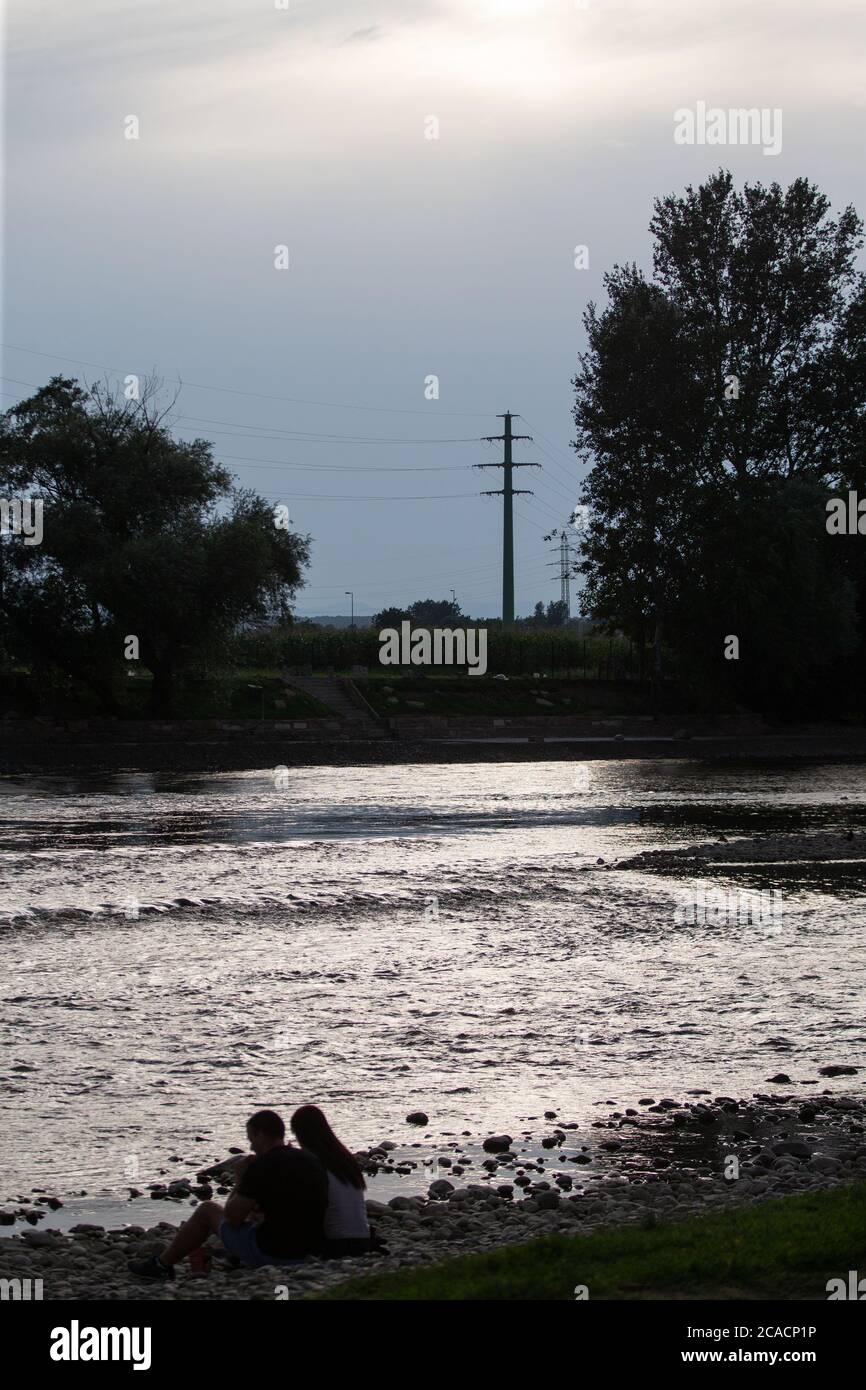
x: 346, y: 1214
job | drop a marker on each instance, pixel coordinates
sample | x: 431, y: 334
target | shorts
x: 241, y: 1242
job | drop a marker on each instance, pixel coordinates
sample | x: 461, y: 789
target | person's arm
x: 236, y: 1165
x: 242, y: 1202
x: 238, y: 1209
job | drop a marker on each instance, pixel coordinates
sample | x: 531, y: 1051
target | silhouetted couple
x: 287, y: 1202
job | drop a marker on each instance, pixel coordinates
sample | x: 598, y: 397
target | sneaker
x: 151, y: 1268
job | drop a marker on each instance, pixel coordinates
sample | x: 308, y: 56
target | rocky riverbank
x: 804, y: 847
x: 820, y: 856
x: 657, y: 1160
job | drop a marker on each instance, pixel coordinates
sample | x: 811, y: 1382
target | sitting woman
x: 347, y: 1230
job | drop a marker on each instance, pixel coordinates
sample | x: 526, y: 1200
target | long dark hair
x: 313, y: 1132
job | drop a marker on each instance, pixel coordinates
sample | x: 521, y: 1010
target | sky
x: 308, y: 126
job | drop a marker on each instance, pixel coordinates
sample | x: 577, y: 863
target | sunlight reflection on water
x: 179, y: 951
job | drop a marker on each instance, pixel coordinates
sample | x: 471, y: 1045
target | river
x: 178, y: 951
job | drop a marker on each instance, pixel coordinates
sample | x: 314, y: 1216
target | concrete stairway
x: 339, y: 695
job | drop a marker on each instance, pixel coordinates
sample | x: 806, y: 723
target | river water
x: 178, y: 951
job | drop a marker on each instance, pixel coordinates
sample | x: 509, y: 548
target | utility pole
x: 564, y: 574
x: 507, y: 493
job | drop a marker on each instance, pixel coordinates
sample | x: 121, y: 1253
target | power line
x: 428, y: 578
x: 345, y: 497
x: 549, y: 441
x: 258, y: 395
x: 344, y: 467
x: 30, y: 384
x: 531, y: 522
x: 541, y: 502
x: 556, y: 491
x: 468, y: 576
x: 265, y: 432
x: 568, y: 462
x: 317, y: 437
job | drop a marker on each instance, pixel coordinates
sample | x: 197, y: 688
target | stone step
x: 331, y: 692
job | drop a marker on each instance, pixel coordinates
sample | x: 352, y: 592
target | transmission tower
x: 507, y: 493
x: 565, y: 551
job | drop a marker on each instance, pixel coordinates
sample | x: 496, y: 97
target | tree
x: 641, y: 419
x: 554, y: 615
x: 557, y: 613
x: 772, y: 577
x: 431, y: 612
x: 426, y: 612
x: 715, y: 405
x: 390, y: 617
x: 761, y: 280
x: 144, y: 537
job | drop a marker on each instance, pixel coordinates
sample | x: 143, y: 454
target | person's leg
x: 193, y: 1233
x: 204, y: 1221
x: 240, y: 1242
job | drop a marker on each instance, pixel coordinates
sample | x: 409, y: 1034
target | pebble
x: 497, y: 1143
x: 440, y: 1188
x: 90, y: 1262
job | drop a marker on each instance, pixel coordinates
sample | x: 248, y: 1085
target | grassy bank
x: 258, y: 692
x: 787, y: 1248
x: 519, y: 696
x: 251, y: 693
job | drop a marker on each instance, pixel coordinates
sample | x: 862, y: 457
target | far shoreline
x: 22, y: 753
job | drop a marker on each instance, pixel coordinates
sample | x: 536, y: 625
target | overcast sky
x: 408, y: 257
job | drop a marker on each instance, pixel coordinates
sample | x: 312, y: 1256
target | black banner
x: 163, y: 1338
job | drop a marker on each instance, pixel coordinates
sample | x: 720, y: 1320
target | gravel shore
x: 657, y: 1160
x: 802, y: 847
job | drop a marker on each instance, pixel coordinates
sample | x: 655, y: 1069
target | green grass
x: 229, y: 695
x: 786, y: 1248
x: 232, y: 696
x: 475, y: 695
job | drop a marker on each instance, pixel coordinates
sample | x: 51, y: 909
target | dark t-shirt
x: 291, y: 1187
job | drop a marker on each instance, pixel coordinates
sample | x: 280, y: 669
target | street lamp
x: 350, y: 595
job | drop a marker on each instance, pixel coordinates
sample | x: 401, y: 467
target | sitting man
x: 274, y: 1216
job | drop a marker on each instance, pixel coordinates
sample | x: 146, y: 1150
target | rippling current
x: 180, y: 950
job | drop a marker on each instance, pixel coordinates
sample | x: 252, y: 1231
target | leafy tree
x: 143, y: 536
x: 557, y: 613
x: 390, y: 617
x: 786, y: 597
x: 642, y: 420
x: 431, y: 612
x: 554, y: 615
x: 761, y: 279
x: 426, y: 612
x: 715, y: 406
